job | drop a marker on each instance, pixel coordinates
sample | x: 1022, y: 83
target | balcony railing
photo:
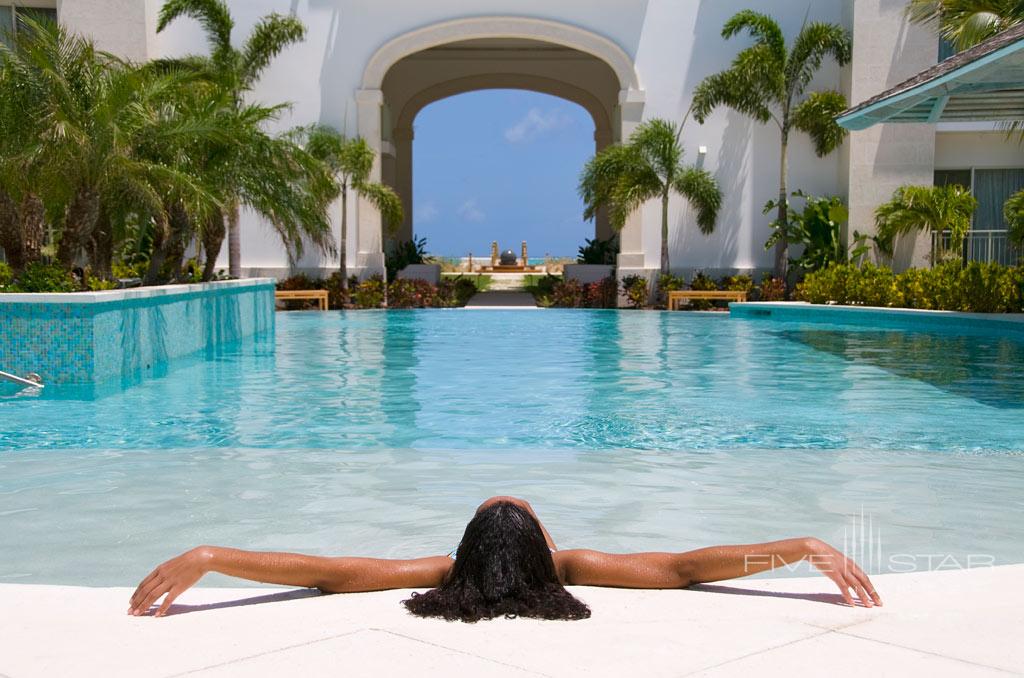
x: 978, y: 246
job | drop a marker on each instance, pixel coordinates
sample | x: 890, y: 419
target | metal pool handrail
x: 21, y: 380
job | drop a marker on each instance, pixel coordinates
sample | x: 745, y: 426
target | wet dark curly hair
x: 503, y: 567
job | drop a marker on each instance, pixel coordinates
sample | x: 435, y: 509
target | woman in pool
x: 505, y: 565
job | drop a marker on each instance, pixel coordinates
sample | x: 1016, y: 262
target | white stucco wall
x: 985, y: 150
x: 674, y: 44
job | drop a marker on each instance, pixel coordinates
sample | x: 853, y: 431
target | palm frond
x: 816, y: 41
x: 733, y: 89
x: 927, y: 208
x: 272, y: 34
x: 966, y: 23
x: 1013, y: 211
x: 386, y: 201
x: 764, y: 29
x: 212, y: 14
x: 816, y: 116
x: 701, y: 190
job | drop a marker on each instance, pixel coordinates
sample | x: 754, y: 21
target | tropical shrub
x: 977, y: 287
x: 456, y: 292
x: 637, y: 290
x: 101, y: 284
x: 599, y: 252
x: 1013, y: 211
x: 6, y: 275
x: 701, y: 281
x: 402, y: 254
x: 738, y: 283
x: 926, y: 208
x: 818, y: 227
x: 771, y: 289
x: 409, y: 293
x: 369, y: 293
x: 601, y: 294
x: 567, y: 294
x: 39, y: 277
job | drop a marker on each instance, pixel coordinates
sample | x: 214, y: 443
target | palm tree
x: 965, y: 23
x: 236, y: 71
x: 768, y: 81
x: 1013, y: 212
x: 350, y: 162
x: 83, y: 154
x: 926, y: 208
x: 622, y: 177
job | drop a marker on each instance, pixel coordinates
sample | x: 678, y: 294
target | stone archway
x: 442, y: 60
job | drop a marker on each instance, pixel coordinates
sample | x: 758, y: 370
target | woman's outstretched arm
x: 330, y: 575
x: 679, y: 570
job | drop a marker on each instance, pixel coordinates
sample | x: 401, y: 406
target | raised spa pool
x: 377, y: 432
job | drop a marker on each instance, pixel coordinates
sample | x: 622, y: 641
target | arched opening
x: 443, y: 60
x: 500, y: 166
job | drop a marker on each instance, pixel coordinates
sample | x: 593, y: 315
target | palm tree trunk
x: 32, y: 216
x: 665, y: 268
x: 343, y: 244
x: 11, y: 240
x: 101, y: 253
x: 78, y: 226
x: 234, y: 240
x: 213, y: 239
x: 782, y: 247
x: 156, y: 259
x: 177, y: 241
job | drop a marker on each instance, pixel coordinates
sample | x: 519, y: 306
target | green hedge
x: 977, y: 287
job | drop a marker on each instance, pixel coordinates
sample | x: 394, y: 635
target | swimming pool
x: 375, y: 432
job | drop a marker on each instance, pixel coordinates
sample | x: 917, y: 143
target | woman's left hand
x: 843, y: 571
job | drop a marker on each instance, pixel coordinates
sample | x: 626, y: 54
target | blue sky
x: 501, y: 165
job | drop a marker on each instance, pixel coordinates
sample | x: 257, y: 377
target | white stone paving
x: 952, y: 623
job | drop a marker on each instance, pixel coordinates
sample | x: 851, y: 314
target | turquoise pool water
x: 377, y: 433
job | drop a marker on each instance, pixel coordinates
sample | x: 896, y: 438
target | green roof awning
x: 984, y: 83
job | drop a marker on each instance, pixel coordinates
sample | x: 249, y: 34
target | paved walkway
x: 936, y: 624
x: 502, y: 300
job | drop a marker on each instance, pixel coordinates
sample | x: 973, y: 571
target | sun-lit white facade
x: 368, y: 67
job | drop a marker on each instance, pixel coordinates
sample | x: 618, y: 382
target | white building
x: 370, y: 67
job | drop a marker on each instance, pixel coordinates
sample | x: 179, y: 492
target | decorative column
x: 369, y: 238
x: 403, y: 137
x: 602, y: 226
x: 632, y: 257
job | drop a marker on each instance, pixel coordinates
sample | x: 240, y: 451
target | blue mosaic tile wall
x: 92, y: 343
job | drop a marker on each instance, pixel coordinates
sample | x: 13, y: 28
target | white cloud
x: 469, y: 211
x: 536, y: 123
x: 426, y: 213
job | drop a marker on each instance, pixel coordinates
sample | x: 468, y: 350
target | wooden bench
x: 674, y: 298
x: 319, y: 296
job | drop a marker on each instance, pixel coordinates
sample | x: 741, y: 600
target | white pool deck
x: 946, y: 623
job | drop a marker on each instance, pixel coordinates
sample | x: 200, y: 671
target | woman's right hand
x: 172, y: 578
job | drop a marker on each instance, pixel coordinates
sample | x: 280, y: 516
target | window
x: 12, y: 16
x: 992, y: 187
x: 6, y: 24
x: 946, y: 49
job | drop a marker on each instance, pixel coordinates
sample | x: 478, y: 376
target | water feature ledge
x: 95, y: 337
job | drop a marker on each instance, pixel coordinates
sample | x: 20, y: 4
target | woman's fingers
x: 168, y: 599
x: 865, y: 600
x: 143, y: 585
x: 844, y: 589
x: 869, y: 587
